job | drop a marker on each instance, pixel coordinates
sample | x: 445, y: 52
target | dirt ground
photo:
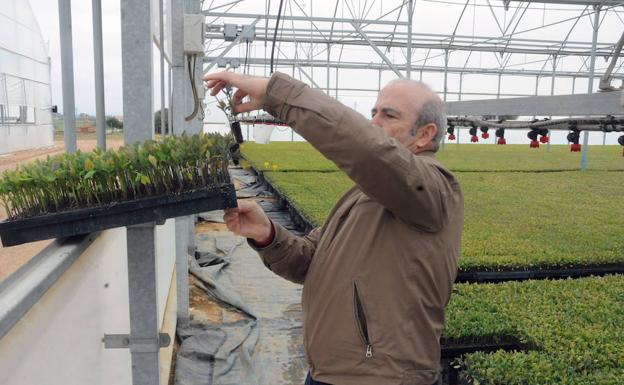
x: 11, y: 258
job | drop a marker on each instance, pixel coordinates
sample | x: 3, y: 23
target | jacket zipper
x: 360, y: 318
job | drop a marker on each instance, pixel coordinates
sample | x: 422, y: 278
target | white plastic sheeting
x: 25, y: 98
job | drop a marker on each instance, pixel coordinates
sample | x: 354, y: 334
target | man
x: 379, y: 273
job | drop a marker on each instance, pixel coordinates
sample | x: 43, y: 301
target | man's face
x: 395, y: 109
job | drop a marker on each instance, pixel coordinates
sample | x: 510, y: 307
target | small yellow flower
x: 266, y: 164
x: 274, y: 167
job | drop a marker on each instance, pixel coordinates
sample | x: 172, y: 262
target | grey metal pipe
x: 98, y: 61
x: 410, y: 11
x: 162, y: 66
x: 67, y: 73
x: 590, y: 82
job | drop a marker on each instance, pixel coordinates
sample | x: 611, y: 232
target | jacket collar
x: 428, y: 154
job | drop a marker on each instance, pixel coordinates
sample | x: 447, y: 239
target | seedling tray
x: 88, y: 220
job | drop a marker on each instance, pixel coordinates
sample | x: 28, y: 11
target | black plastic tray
x: 84, y: 221
x: 545, y: 273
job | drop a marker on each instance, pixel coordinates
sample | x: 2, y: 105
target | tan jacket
x: 379, y: 273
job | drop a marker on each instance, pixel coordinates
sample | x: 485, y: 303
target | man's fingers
x: 239, y: 95
x: 211, y: 83
x: 217, y: 88
x: 222, y: 76
x: 245, y: 107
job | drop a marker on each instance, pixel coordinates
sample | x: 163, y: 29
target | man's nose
x: 376, y: 121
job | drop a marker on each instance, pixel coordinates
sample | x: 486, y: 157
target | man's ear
x: 425, y: 134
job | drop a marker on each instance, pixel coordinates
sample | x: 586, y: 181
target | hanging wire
x: 245, y: 69
x: 279, y: 15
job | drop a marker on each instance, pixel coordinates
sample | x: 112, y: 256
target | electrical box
x: 249, y: 33
x: 194, y: 34
x: 230, y: 31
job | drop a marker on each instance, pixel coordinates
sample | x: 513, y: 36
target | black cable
x: 193, y: 88
x: 279, y: 15
x: 246, y: 56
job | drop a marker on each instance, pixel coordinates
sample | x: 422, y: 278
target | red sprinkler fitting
x: 501, y: 141
x: 544, y: 139
x: 534, y: 144
x: 575, y: 147
x: 451, y: 137
x: 485, y: 135
x: 474, y: 139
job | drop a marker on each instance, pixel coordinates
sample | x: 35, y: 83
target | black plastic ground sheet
x: 266, y: 345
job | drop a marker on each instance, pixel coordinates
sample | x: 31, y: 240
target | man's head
x: 411, y: 112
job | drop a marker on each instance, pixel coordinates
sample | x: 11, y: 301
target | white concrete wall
x: 24, y: 137
x: 59, y: 341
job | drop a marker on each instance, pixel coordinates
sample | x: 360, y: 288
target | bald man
x: 378, y: 274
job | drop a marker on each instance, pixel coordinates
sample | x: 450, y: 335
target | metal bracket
x: 123, y: 341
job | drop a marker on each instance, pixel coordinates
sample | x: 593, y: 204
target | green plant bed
x: 301, y: 156
x: 513, y: 221
x: 574, y: 328
x: 286, y: 156
x: 313, y: 194
x: 516, y: 157
x: 538, y: 220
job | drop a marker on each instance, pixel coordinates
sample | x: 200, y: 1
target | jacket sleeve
x: 414, y: 188
x: 289, y: 256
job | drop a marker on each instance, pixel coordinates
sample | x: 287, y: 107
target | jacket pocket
x: 418, y: 377
x: 359, y: 312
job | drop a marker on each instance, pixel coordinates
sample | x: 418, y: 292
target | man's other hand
x: 252, y: 86
x: 248, y: 220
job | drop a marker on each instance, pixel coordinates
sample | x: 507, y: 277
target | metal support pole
x: 461, y: 83
x: 182, y: 225
x: 67, y: 71
x: 98, y: 58
x: 446, y: 57
x: 170, y: 92
x: 410, y: 11
x: 536, y: 88
x: 552, y: 92
x: 179, y: 76
x: 498, y: 89
x: 328, y: 57
x: 137, y: 68
x: 161, y: 29
x: 144, y: 325
x: 590, y: 82
x: 336, y: 83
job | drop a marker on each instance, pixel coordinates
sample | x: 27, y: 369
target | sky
x: 431, y: 15
x: 46, y: 12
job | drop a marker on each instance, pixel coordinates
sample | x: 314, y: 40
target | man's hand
x: 252, y: 86
x: 248, y: 220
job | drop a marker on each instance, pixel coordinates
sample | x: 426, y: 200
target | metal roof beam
x: 608, y: 3
x: 302, y: 18
x: 401, y: 67
x: 292, y: 38
x: 381, y: 54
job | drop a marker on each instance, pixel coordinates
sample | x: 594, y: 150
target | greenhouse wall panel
x: 64, y: 329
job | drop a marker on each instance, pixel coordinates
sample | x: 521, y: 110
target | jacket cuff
x: 267, y: 241
x: 271, y: 253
